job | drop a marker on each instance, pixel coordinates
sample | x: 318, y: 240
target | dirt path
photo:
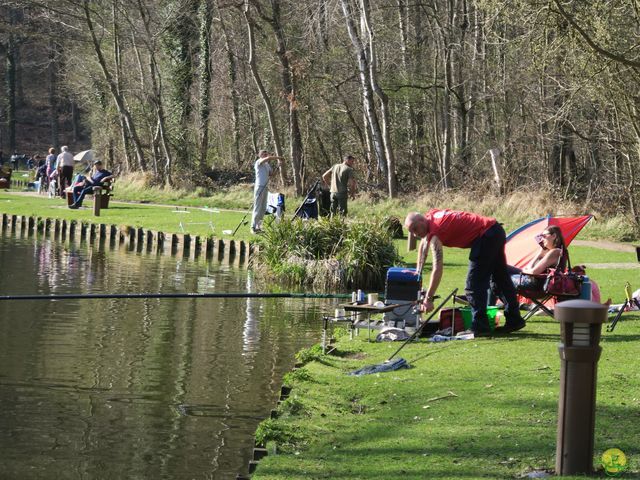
x: 605, y: 244
x: 613, y: 265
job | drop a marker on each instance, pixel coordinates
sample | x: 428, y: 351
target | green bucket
x: 492, y: 313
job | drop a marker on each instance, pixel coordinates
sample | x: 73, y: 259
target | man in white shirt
x: 263, y: 171
x: 65, y: 164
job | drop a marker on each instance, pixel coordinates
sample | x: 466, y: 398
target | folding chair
x: 533, y: 291
x: 521, y: 247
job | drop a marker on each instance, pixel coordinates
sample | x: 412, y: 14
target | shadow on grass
x: 503, y: 443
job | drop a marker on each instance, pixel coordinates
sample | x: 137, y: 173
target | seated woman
x: 552, y: 254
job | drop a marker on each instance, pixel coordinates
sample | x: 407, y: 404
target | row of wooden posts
x: 131, y: 238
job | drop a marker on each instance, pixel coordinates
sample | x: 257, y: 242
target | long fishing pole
x: 418, y: 330
x: 255, y: 199
x: 93, y: 296
x: 311, y: 190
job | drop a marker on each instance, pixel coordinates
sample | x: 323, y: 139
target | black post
x: 581, y: 323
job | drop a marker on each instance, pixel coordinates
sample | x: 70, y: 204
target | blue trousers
x: 488, y: 268
x: 79, y: 192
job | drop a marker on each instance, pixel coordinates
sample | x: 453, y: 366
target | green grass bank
x: 485, y: 408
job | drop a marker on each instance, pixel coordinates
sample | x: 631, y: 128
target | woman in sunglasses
x: 552, y: 252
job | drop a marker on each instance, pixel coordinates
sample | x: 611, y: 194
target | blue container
x: 402, y: 284
x: 585, y: 292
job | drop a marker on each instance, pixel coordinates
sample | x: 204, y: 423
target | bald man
x: 486, y: 239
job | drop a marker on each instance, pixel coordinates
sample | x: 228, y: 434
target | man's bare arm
x: 436, y: 274
x: 437, y: 261
x: 326, y: 177
x: 423, y: 252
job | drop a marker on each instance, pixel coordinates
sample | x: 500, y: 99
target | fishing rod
x: 255, y: 198
x: 311, y: 190
x: 419, y: 329
x: 94, y: 296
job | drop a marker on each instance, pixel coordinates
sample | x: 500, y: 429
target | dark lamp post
x: 581, y: 322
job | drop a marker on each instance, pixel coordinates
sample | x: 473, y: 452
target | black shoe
x: 481, y: 333
x: 74, y: 206
x: 513, y: 327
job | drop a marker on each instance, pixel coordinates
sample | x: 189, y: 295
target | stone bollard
x: 581, y: 323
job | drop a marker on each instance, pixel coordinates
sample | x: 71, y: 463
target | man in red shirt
x: 485, y: 238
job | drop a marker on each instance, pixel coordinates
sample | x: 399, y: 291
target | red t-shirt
x: 455, y: 228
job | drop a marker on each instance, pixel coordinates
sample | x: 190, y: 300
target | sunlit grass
x: 469, y: 409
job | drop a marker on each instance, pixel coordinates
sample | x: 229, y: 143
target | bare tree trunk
x: 496, y: 166
x: 235, y: 100
x: 364, y: 142
x: 155, y: 98
x: 11, y: 85
x: 261, y: 89
x: 52, y: 90
x: 75, y: 121
x: 384, y: 102
x: 418, y: 117
x: 204, y: 70
x: 118, y: 81
x: 119, y: 101
x: 367, y: 90
x: 289, y: 89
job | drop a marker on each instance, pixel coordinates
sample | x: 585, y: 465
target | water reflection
x: 130, y: 388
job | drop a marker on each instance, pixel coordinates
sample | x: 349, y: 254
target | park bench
x: 106, y: 194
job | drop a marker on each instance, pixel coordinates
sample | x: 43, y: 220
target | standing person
x: 50, y: 161
x: 263, y: 171
x: 341, y: 177
x: 486, y: 239
x: 65, y: 165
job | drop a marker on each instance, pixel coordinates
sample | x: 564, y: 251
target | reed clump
x: 330, y: 253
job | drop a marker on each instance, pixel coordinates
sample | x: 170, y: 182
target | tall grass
x: 330, y: 253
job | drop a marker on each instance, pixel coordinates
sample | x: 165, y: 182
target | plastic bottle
x: 585, y: 291
x: 361, y: 296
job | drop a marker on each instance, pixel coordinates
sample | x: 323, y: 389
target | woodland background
x: 439, y: 94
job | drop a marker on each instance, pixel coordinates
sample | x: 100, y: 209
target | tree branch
x: 602, y: 51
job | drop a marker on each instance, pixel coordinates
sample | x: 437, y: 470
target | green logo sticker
x: 614, y: 462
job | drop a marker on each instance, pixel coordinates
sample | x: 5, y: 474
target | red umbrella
x: 522, y: 245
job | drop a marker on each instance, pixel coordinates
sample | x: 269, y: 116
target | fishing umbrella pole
x: 94, y: 296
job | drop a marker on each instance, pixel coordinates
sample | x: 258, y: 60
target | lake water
x: 136, y: 388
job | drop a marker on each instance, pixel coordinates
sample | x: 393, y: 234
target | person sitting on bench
x: 97, y: 179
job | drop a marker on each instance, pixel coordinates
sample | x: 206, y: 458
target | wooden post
x: 495, y: 164
x: 97, y: 200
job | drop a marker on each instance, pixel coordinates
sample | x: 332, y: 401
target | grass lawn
x: 485, y: 408
x: 194, y: 220
x: 500, y: 420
